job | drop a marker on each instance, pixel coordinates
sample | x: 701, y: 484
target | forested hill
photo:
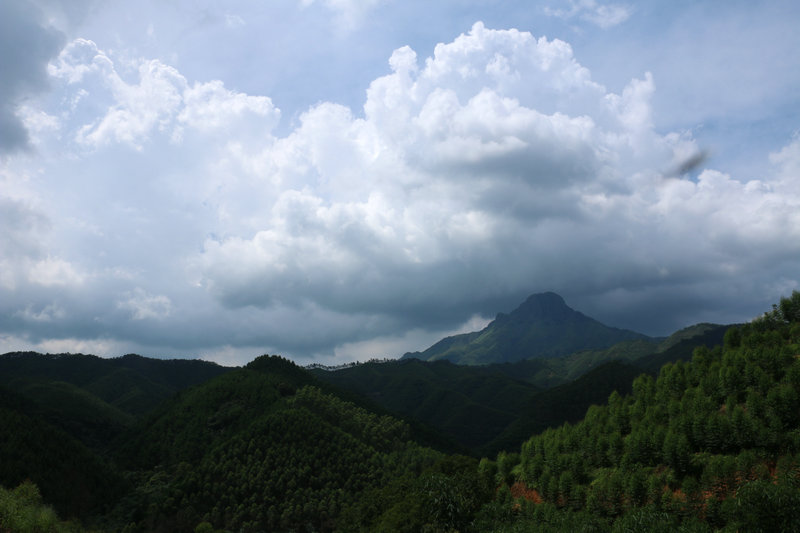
x: 264, y: 448
x: 132, y: 384
x: 470, y: 404
x: 488, y: 408
x: 542, y: 326
x: 61, y: 415
x: 711, y: 444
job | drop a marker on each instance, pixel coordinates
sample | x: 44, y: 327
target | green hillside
x: 267, y: 447
x: 710, y: 443
x: 564, y: 403
x: 94, y: 399
x: 648, y: 355
x: 73, y: 478
x: 542, y: 326
x: 681, y: 345
x: 132, y: 383
x: 470, y: 404
x: 496, y: 407
x: 262, y: 448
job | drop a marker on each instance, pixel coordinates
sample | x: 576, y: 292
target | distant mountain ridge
x: 131, y: 383
x: 492, y: 408
x: 543, y: 326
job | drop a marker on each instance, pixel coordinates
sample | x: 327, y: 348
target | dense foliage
x: 470, y: 404
x: 131, y: 384
x: 262, y: 448
x: 22, y: 510
x: 565, y: 403
x: 711, y: 444
x: 497, y: 407
x: 33, y: 448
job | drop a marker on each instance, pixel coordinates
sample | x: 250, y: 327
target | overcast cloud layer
x: 336, y: 180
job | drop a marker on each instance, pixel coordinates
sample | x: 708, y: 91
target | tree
x: 764, y: 506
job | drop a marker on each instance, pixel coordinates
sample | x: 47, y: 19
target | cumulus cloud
x: 467, y: 177
x: 211, y: 107
x: 455, y: 169
x: 157, y: 99
x: 494, y: 168
x: 788, y: 161
x: 140, y: 107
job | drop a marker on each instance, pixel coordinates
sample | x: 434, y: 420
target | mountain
x: 470, y: 404
x: 489, y: 408
x: 62, y: 414
x: 73, y: 478
x: 266, y: 447
x: 131, y: 383
x: 648, y: 355
x: 711, y: 444
x: 542, y: 327
x: 94, y: 399
x: 564, y: 403
x: 680, y: 345
x: 483, y: 408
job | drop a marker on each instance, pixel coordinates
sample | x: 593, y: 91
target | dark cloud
x: 26, y: 47
x: 19, y: 229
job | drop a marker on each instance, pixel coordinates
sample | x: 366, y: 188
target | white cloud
x: 54, y: 271
x: 38, y: 123
x: 157, y: 100
x: 433, y: 170
x: 349, y: 13
x: 143, y: 305
x: 788, y: 162
x: 139, y: 107
x: 492, y: 169
x: 456, y: 176
x: 234, y: 21
x: 603, y: 15
x: 77, y: 59
x: 48, y: 313
x: 209, y: 106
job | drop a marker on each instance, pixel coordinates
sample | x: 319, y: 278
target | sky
x: 337, y: 180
